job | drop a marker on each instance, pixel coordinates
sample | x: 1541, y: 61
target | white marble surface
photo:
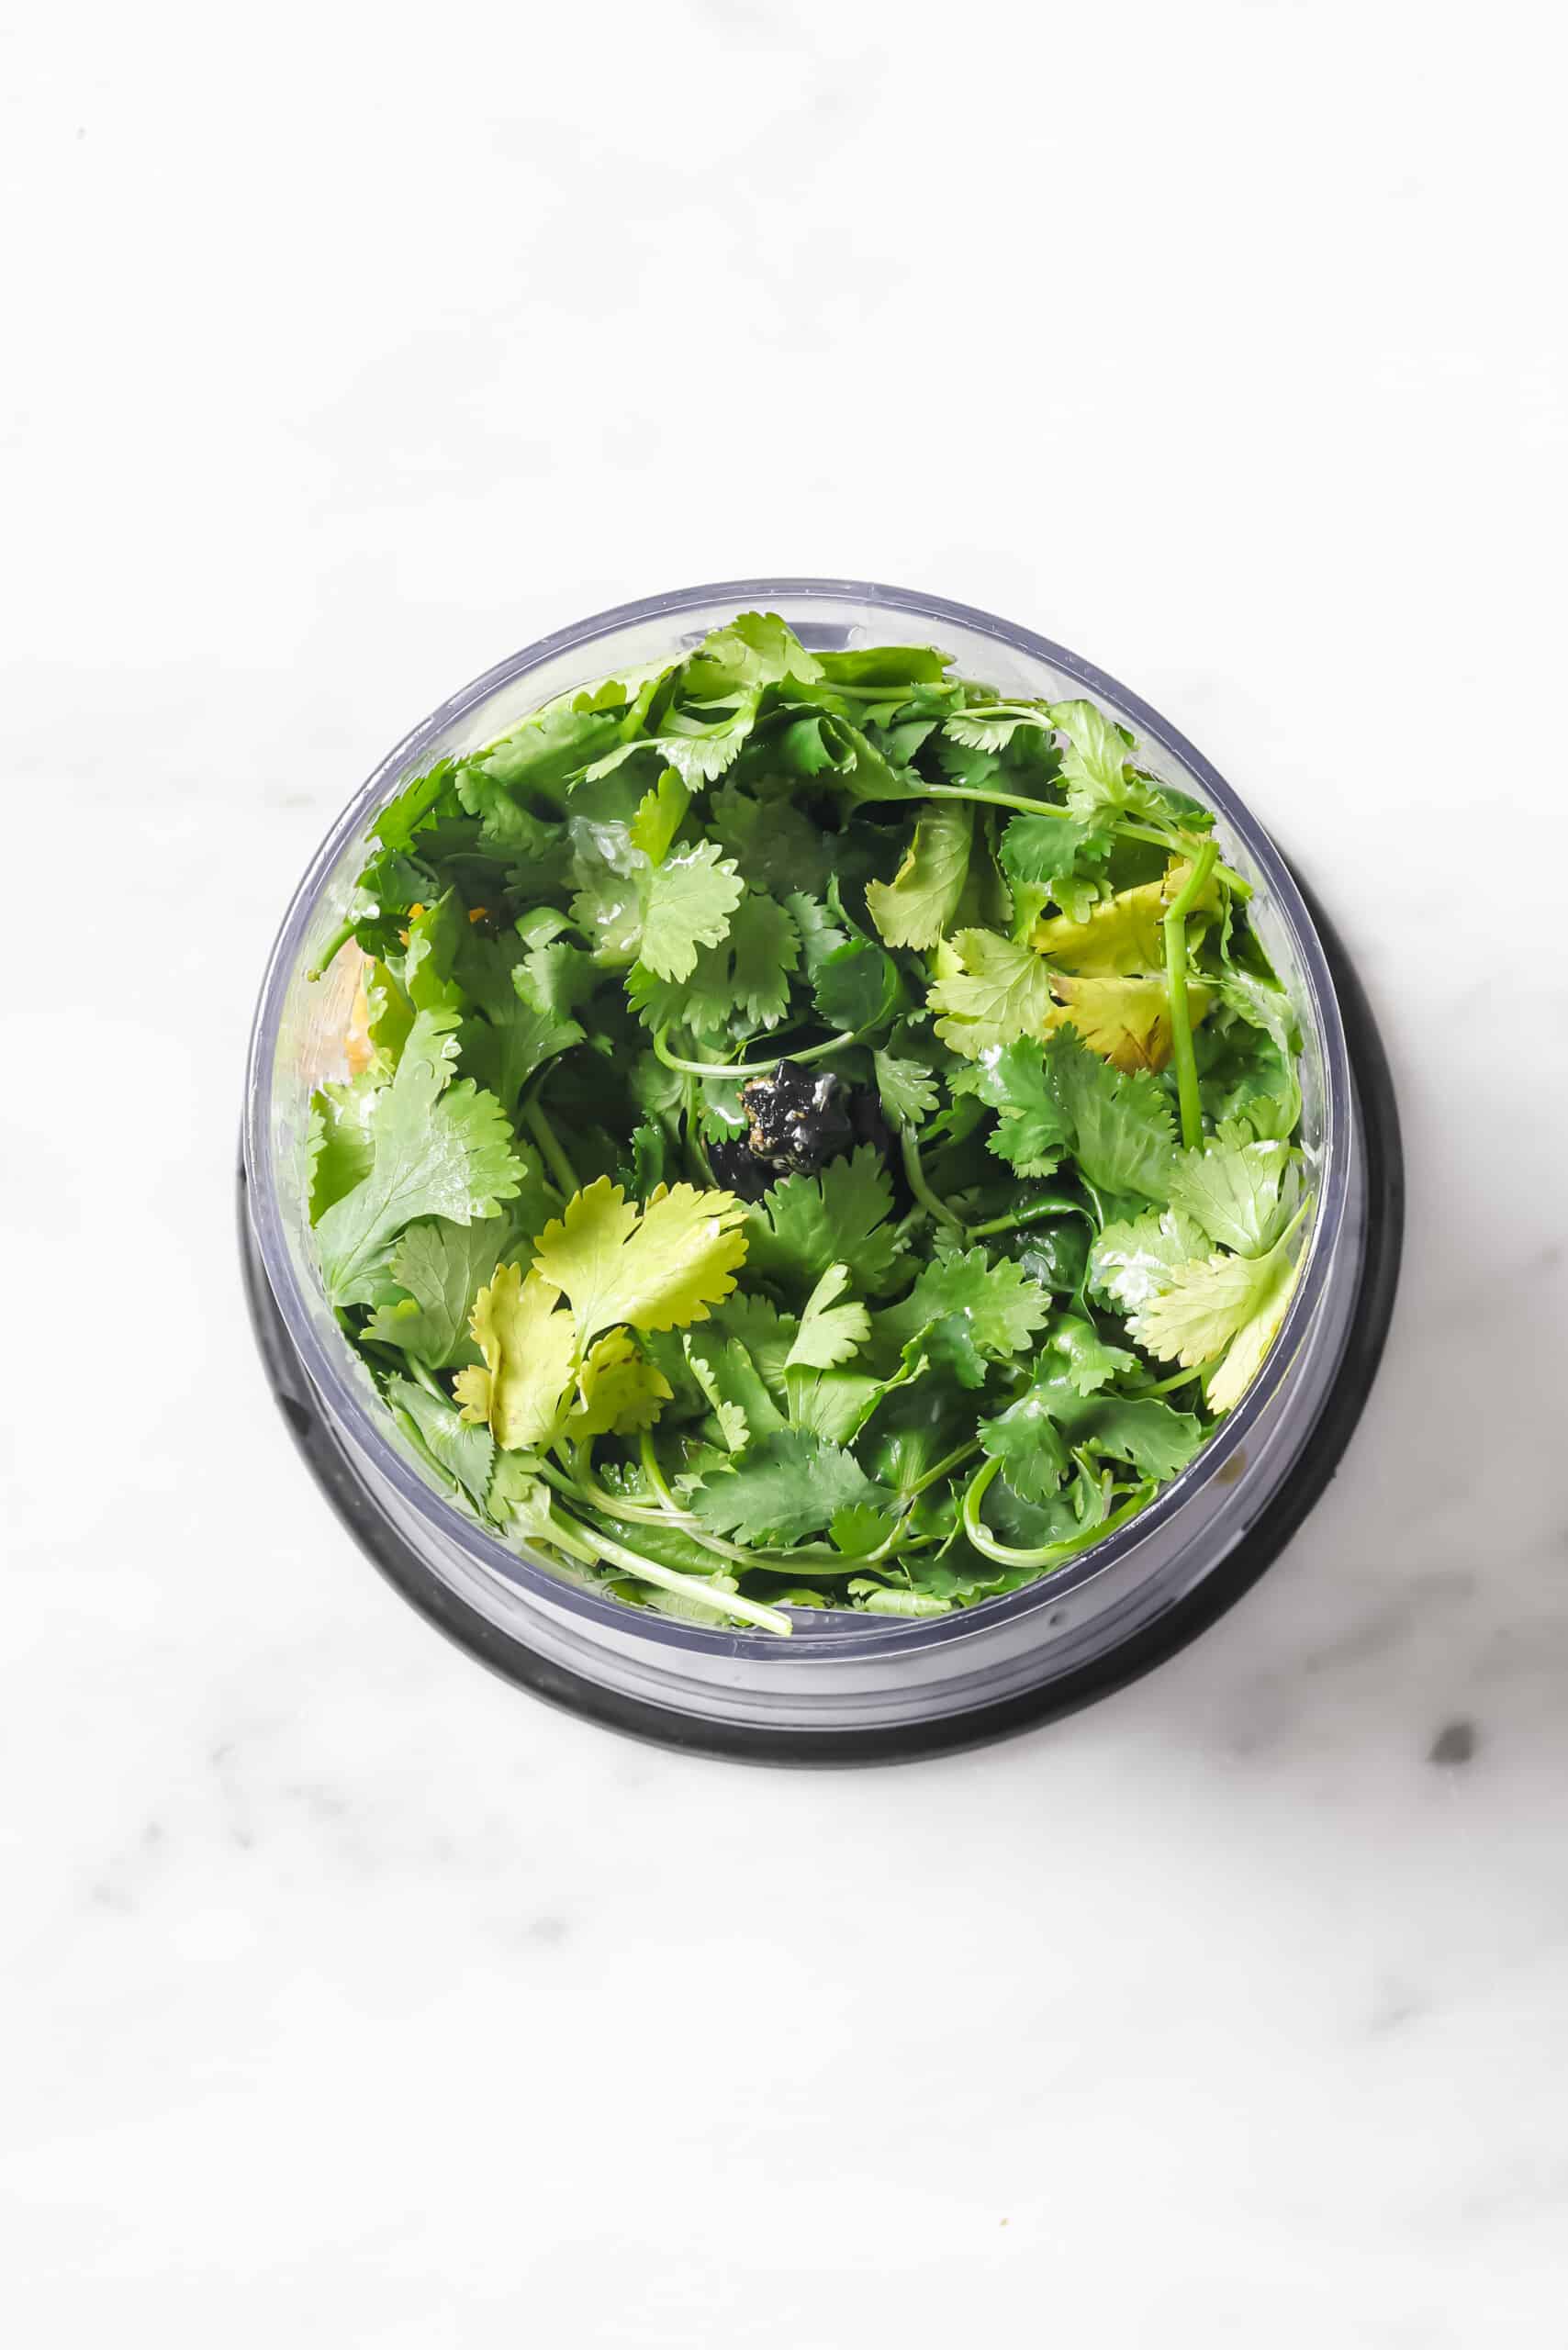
x: 351, y: 1997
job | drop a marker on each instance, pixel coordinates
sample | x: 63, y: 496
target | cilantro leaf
x: 1133, y: 1261
x: 784, y: 1488
x: 1033, y: 1129
x: 754, y: 649
x: 1076, y: 1356
x: 916, y: 907
x: 1226, y: 1305
x: 1126, y: 1022
x: 340, y: 1143
x: 660, y: 814
x: 991, y: 992
x: 1053, y: 857
x: 529, y: 1350
x: 808, y: 1222
x: 1095, y: 773
x: 441, y: 1267
x: 465, y: 1454
x: 742, y: 983
x: 775, y: 844
x: 854, y: 985
x: 1156, y: 1439
x: 821, y: 935
x: 1122, y: 1127
x: 618, y: 1391
x: 1231, y: 1187
x: 1027, y: 1442
x: 907, y: 1088
x: 436, y: 1150
x: 982, y: 1310
x: 690, y: 899
x: 1120, y: 935
x: 731, y: 1381
x: 505, y: 1051
x: 829, y: 1334
x: 658, y: 1269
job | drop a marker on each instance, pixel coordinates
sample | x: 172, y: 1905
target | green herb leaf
x: 788, y: 1485
x: 808, y: 1222
x: 915, y: 908
x: 436, y: 1150
x: 658, y: 1268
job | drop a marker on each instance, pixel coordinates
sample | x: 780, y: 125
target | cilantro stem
x: 993, y: 800
x: 1181, y: 1052
x: 554, y: 1157
x: 672, y: 1512
x: 1035, y: 1214
x: 914, y: 1175
x: 331, y: 950
x: 427, y: 1378
x: 953, y: 1461
x: 652, y: 1468
x: 1177, y: 1379
x: 696, y: 1149
x: 1049, y: 1554
x: 586, y: 1543
x: 584, y: 1488
x: 1175, y: 843
x: 747, y: 1069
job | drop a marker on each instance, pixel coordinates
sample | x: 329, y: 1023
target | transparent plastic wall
x: 840, y: 1669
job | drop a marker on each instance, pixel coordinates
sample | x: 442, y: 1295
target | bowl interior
x: 300, y: 1027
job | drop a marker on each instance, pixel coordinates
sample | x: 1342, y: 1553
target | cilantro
x: 829, y: 1334
x: 907, y: 1088
x: 990, y: 991
x: 760, y: 1128
x: 785, y: 1486
x: 1053, y: 858
x: 660, y: 814
x: 465, y: 1454
x: 436, y: 1149
x: 1227, y: 1306
x: 529, y: 1350
x: 658, y: 1268
x: 974, y: 1308
x: 916, y: 906
x: 691, y: 901
x: 1131, y: 1262
x: 774, y: 844
x: 1232, y: 1188
x: 1124, y: 1133
x: 1032, y: 1130
x: 807, y: 1224
x: 617, y: 1390
x: 441, y: 1268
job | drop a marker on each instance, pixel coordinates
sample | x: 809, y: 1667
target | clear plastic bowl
x: 845, y: 1684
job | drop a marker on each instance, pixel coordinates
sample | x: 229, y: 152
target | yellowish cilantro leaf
x: 530, y: 1350
x: 618, y: 1391
x: 1125, y: 1020
x: 659, y: 1267
x: 1226, y: 1305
